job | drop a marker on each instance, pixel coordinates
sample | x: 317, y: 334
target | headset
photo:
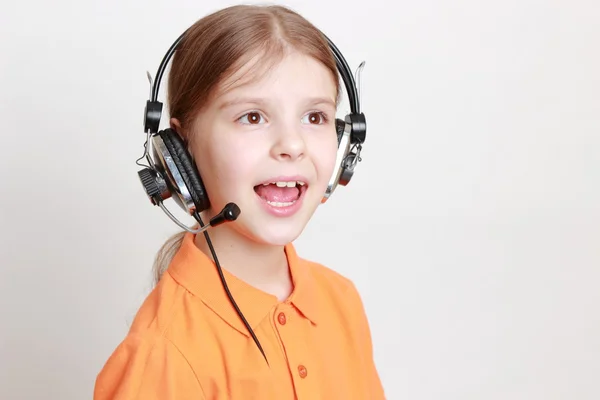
x: 172, y: 172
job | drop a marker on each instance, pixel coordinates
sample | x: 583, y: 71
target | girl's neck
x: 262, y: 266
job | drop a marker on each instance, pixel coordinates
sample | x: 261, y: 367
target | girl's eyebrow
x: 321, y: 100
x: 257, y: 101
x: 242, y: 100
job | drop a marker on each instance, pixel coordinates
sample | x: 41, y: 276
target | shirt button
x: 302, y: 371
x: 281, y: 318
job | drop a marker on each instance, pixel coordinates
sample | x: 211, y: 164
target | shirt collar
x: 305, y: 294
x: 198, y: 274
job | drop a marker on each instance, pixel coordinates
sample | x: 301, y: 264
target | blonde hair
x: 166, y: 254
x: 213, y: 49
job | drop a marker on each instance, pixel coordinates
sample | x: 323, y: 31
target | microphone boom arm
x: 229, y: 213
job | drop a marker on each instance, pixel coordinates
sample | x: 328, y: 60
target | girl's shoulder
x: 138, y: 366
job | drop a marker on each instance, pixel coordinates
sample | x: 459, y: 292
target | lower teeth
x: 278, y: 204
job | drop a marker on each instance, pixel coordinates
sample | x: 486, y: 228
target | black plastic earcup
x: 187, y: 168
x: 340, y: 125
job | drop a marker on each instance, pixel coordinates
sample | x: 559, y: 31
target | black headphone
x: 172, y: 172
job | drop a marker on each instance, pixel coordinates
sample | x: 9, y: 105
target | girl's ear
x: 175, y: 125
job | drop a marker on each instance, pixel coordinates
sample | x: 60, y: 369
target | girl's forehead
x: 288, y: 69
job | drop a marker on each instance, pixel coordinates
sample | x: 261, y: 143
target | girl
x: 253, y: 92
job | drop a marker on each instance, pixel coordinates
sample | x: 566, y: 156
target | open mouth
x: 281, y: 194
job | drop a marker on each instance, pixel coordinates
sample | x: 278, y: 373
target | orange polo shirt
x: 187, y: 342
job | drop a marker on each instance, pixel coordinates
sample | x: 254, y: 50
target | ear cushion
x: 340, y: 125
x: 187, y: 168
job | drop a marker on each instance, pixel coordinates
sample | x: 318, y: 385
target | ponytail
x: 165, y: 255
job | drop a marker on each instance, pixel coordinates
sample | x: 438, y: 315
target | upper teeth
x: 284, y: 184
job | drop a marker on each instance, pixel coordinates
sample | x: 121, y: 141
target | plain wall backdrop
x: 471, y: 228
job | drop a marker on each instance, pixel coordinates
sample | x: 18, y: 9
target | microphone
x: 229, y: 213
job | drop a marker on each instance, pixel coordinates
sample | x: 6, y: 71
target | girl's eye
x: 252, y: 118
x: 315, y: 118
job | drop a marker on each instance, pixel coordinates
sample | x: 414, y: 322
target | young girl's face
x: 270, y: 146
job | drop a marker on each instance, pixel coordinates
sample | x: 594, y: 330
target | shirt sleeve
x: 147, y: 368
x: 364, y: 332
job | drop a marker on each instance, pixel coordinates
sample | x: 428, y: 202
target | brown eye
x: 254, y: 118
x: 316, y: 118
x: 251, y: 118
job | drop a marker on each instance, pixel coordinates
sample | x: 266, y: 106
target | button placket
x: 289, y: 324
